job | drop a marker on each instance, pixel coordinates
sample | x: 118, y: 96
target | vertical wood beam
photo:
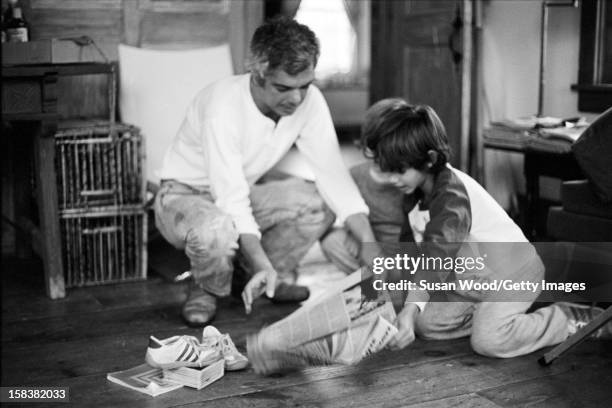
x: 44, y: 148
x: 245, y: 16
x: 132, y: 17
x: 7, y: 189
x: 476, y: 125
x: 379, y: 35
x: 466, y: 83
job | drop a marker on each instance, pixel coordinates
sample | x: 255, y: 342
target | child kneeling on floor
x: 447, y: 213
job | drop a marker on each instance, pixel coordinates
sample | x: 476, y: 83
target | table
x: 542, y: 157
x: 29, y: 94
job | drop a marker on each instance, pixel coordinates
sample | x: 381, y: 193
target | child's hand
x: 405, y: 324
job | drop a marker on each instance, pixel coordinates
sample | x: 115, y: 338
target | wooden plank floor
x: 75, y: 341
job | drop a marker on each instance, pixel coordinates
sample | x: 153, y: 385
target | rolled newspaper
x: 338, y: 327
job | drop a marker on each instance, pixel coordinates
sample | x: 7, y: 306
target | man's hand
x: 264, y: 280
x: 405, y: 323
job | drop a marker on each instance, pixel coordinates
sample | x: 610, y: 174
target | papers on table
x: 571, y: 134
x: 541, y: 134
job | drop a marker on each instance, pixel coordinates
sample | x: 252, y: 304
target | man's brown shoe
x: 200, y: 306
x: 286, y: 293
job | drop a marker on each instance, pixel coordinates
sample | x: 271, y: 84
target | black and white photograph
x: 306, y: 203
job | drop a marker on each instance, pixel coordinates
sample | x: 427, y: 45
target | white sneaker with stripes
x: 180, y: 351
x: 234, y: 360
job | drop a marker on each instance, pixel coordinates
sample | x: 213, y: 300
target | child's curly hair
x: 398, y: 136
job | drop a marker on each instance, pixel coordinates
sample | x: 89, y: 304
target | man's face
x: 283, y: 93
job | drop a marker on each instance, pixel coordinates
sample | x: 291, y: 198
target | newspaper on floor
x: 340, y: 326
x: 145, y: 379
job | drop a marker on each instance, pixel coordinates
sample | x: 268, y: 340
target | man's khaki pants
x: 290, y: 213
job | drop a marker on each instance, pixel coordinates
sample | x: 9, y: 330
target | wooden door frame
x: 384, y: 79
x: 245, y: 17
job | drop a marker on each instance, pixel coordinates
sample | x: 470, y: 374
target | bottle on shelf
x: 17, y: 28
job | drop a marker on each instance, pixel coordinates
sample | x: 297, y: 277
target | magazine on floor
x: 145, y: 379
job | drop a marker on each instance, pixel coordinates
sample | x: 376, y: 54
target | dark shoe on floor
x: 200, y: 307
x: 580, y: 315
x: 286, y: 293
x: 239, y: 280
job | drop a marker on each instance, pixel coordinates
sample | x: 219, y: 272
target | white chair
x: 156, y: 87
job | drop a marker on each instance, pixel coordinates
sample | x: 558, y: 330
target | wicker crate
x: 99, y: 164
x: 104, y: 245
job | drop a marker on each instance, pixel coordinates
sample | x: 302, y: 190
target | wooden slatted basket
x: 104, y: 245
x: 101, y: 196
x: 99, y: 164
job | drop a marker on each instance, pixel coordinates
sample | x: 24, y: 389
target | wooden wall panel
x: 161, y: 24
x: 76, y: 4
x: 186, y: 6
x: 100, y: 25
x: 179, y: 24
x: 183, y: 30
x: 183, y: 24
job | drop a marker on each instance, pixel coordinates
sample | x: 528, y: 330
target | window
x: 329, y: 21
x: 342, y: 27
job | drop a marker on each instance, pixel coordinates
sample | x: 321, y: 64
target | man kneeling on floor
x: 234, y: 131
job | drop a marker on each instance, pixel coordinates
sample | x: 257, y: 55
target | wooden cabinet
x: 30, y: 96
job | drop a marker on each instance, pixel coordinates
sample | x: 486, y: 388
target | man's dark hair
x: 283, y: 43
x: 398, y: 136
